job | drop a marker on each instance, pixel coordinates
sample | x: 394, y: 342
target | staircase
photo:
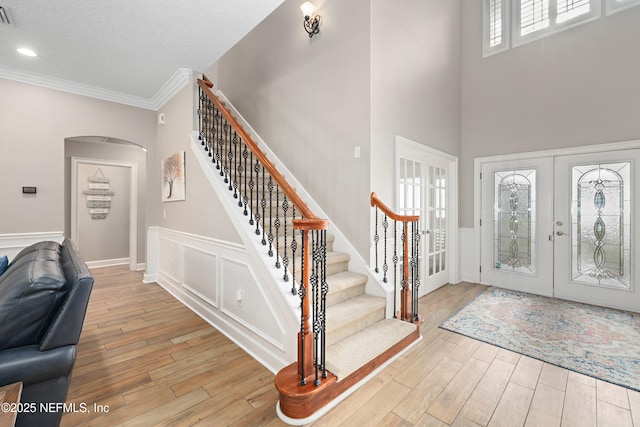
x: 345, y: 334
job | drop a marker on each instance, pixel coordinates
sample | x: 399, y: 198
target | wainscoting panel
x: 169, y: 258
x: 200, y: 274
x: 469, y: 262
x: 223, y: 284
x: 11, y: 244
x: 243, y: 300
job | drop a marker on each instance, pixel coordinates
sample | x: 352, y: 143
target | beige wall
x: 415, y: 81
x: 35, y: 122
x: 574, y: 88
x: 201, y: 213
x: 309, y: 100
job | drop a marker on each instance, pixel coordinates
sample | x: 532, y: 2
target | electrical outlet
x: 356, y: 152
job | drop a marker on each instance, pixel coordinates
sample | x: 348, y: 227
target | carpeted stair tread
x: 345, y: 285
x: 350, y: 354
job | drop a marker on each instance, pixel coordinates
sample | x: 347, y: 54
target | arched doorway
x: 105, y: 206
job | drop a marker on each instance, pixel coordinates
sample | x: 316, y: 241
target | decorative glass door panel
x: 595, y: 216
x: 515, y: 220
x: 601, y: 216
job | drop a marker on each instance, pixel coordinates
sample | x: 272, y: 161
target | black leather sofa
x: 43, y: 299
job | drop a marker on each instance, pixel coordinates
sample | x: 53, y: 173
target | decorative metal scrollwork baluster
x: 233, y: 164
x: 276, y: 225
x: 270, y: 186
x: 245, y: 199
x: 294, y: 247
x: 252, y: 185
x: 263, y: 205
x: 376, y: 239
x: 385, y: 266
x: 256, y: 215
x: 395, y: 260
x: 285, y: 256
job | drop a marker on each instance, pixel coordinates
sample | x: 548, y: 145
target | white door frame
x: 477, y: 185
x: 452, y: 186
x: 133, y: 203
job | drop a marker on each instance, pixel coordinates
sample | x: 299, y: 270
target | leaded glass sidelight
x: 514, y: 221
x: 601, y: 219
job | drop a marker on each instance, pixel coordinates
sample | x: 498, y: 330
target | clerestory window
x: 510, y: 23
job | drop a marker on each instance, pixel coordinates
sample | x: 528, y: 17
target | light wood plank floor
x: 152, y: 362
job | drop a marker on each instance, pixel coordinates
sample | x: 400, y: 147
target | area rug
x: 599, y: 342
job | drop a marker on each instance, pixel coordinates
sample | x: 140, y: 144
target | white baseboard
x: 107, y: 262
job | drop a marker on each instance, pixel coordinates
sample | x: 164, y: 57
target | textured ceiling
x: 131, y: 47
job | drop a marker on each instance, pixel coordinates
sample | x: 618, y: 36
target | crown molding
x: 181, y: 78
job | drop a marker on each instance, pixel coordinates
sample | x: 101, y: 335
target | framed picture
x: 173, y: 178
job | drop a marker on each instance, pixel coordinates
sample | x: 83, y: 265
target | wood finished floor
x: 153, y: 362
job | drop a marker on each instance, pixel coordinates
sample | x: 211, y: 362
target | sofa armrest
x: 31, y: 366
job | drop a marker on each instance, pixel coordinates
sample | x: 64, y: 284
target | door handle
x: 560, y: 233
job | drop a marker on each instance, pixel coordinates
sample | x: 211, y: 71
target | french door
x: 424, y: 190
x: 564, y: 226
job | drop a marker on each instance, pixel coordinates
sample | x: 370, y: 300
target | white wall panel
x: 200, y: 274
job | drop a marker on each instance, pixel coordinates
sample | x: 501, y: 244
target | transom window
x: 510, y: 23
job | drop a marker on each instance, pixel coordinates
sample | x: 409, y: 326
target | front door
x: 563, y: 226
x: 595, y: 228
x: 517, y: 209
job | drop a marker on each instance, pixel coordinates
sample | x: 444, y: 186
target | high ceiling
x: 129, y: 47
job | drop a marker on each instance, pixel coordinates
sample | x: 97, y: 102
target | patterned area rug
x: 595, y: 341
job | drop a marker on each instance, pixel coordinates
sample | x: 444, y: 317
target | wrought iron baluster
x: 263, y: 205
x: 245, y: 156
x: 233, y: 165
x: 315, y: 292
x: 228, y: 155
x: 221, y: 129
x: 252, y: 185
x: 237, y: 185
x: 277, y: 226
x: 376, y: 238
x: 395, y: 267
x: 302, y: 292
x: 385, y: 266
x: 200, y: 113
x: 323, y: 312
x: 294, y: 247
x: 285, y: 257
x: 403, y: 283
x: 256, y: 215
x: 270, y: 234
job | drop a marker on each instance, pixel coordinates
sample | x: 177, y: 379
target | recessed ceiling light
x: 26, y: 51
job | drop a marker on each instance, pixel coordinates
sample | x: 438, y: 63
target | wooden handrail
x: 376, y: 202
x: 206, y: 85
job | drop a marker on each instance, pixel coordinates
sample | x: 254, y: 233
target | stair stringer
x: 375, y: 286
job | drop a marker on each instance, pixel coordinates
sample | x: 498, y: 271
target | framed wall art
x: 173, y: 178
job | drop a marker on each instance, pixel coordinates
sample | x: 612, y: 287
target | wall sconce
x: 311, y: 23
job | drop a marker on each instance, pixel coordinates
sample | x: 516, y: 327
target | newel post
x: 306, y: 336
